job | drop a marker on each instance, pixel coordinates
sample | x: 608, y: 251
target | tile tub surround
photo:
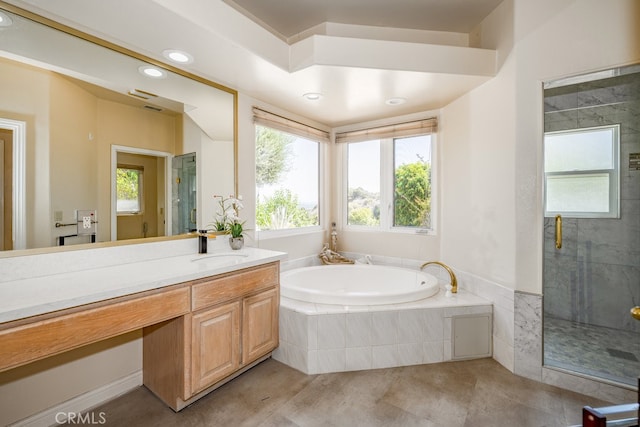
x: 502, y: 298
x: 321, y: 338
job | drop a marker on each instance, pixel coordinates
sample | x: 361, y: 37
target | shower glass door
x: 592, y: 225
x: 183, y: 191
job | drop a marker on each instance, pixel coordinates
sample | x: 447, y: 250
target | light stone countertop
x: 39, y: 295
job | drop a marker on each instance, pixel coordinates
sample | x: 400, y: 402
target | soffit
x: 290, y: 17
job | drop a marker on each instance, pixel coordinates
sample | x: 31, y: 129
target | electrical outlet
x: 87, y: 222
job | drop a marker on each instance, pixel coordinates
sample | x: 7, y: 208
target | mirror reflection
x: 93, y: 149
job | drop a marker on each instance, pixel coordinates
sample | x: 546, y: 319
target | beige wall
x: 69, y: 138
x: 492, y: 213
x: 131, y: 127
x: 25, y: 97
x: 73, y: 154
x: 478, y: 167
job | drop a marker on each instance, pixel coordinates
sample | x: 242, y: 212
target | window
x: 389, y: 183
x: 581, y: 172
x: 363, y: 183
x: 128, y: 190
x: 287, y: 173
x: 412, y: 182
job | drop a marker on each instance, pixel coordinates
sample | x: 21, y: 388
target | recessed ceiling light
x: 154, y: 72
x: 178, y: 56
x: 312, y: 96
x: 395, y: 101
x: 5, y: 20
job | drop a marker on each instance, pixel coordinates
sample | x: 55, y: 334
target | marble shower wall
x: 595, y: 277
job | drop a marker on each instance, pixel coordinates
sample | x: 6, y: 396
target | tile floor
x: 592, y: 350
x: 470, y: 393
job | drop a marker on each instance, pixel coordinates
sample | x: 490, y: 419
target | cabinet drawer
x: 218, y: 289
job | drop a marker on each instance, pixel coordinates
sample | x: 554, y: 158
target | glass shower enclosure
x: 184, y: 195
x: 592, y: 225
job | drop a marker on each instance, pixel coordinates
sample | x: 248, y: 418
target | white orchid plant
x: 228, y: 215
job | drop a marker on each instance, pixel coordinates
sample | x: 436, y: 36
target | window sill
x: 275, y: 234
x: 407, y: 231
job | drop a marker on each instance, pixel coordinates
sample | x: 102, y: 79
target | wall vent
x: 142, y: 94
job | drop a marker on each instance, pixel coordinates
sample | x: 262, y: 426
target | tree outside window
x: 412, y: 189
x: 401, y: 165
x: 128, y: 190
x: 287, y: 180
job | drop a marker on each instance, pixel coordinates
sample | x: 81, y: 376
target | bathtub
x: 337, y: 318
x: 354, y: 284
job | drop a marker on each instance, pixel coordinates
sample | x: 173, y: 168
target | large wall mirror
x: 86, y: 134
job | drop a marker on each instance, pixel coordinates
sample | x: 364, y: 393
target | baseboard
x: 82, y: 403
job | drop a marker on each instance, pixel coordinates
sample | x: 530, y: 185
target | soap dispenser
x: 202, y: 242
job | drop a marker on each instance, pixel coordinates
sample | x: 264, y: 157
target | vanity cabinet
x: 260, y: 320
x: 215, y: 345
x: 233, y: 325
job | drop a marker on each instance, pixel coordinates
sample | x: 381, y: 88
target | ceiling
x: 290, y: 17
x: 361, y: 53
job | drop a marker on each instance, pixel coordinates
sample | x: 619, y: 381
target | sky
x: 364, y: 166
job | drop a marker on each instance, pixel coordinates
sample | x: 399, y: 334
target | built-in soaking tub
x: 337, y: 318
x: 357, y: 284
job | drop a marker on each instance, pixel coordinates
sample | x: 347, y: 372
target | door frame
x: 19, y: 177
x: 115, y: 149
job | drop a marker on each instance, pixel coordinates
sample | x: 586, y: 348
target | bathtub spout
x: 454, y: 281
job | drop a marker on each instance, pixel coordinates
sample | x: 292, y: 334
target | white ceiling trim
x: 227, y: 23
x: 340, y: 51
x: 399, y: 56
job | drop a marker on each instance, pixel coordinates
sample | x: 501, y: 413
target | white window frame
x: 273, y: 234
x: 387, y: 190
x: 140, y: 191
x: 614, y: 178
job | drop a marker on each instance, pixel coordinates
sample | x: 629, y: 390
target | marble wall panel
x: 561, y: 120
x: 561, y: 98
x: 528, y: 335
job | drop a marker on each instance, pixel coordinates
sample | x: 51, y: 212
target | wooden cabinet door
x: 259, y: 325
x: 215, y: 347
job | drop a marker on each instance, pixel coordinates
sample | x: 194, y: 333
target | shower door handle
x: 635, y: 312
x: 558, y: 232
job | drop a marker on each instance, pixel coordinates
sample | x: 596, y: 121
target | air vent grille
x: 142, y: 94
x: 151, y: 107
